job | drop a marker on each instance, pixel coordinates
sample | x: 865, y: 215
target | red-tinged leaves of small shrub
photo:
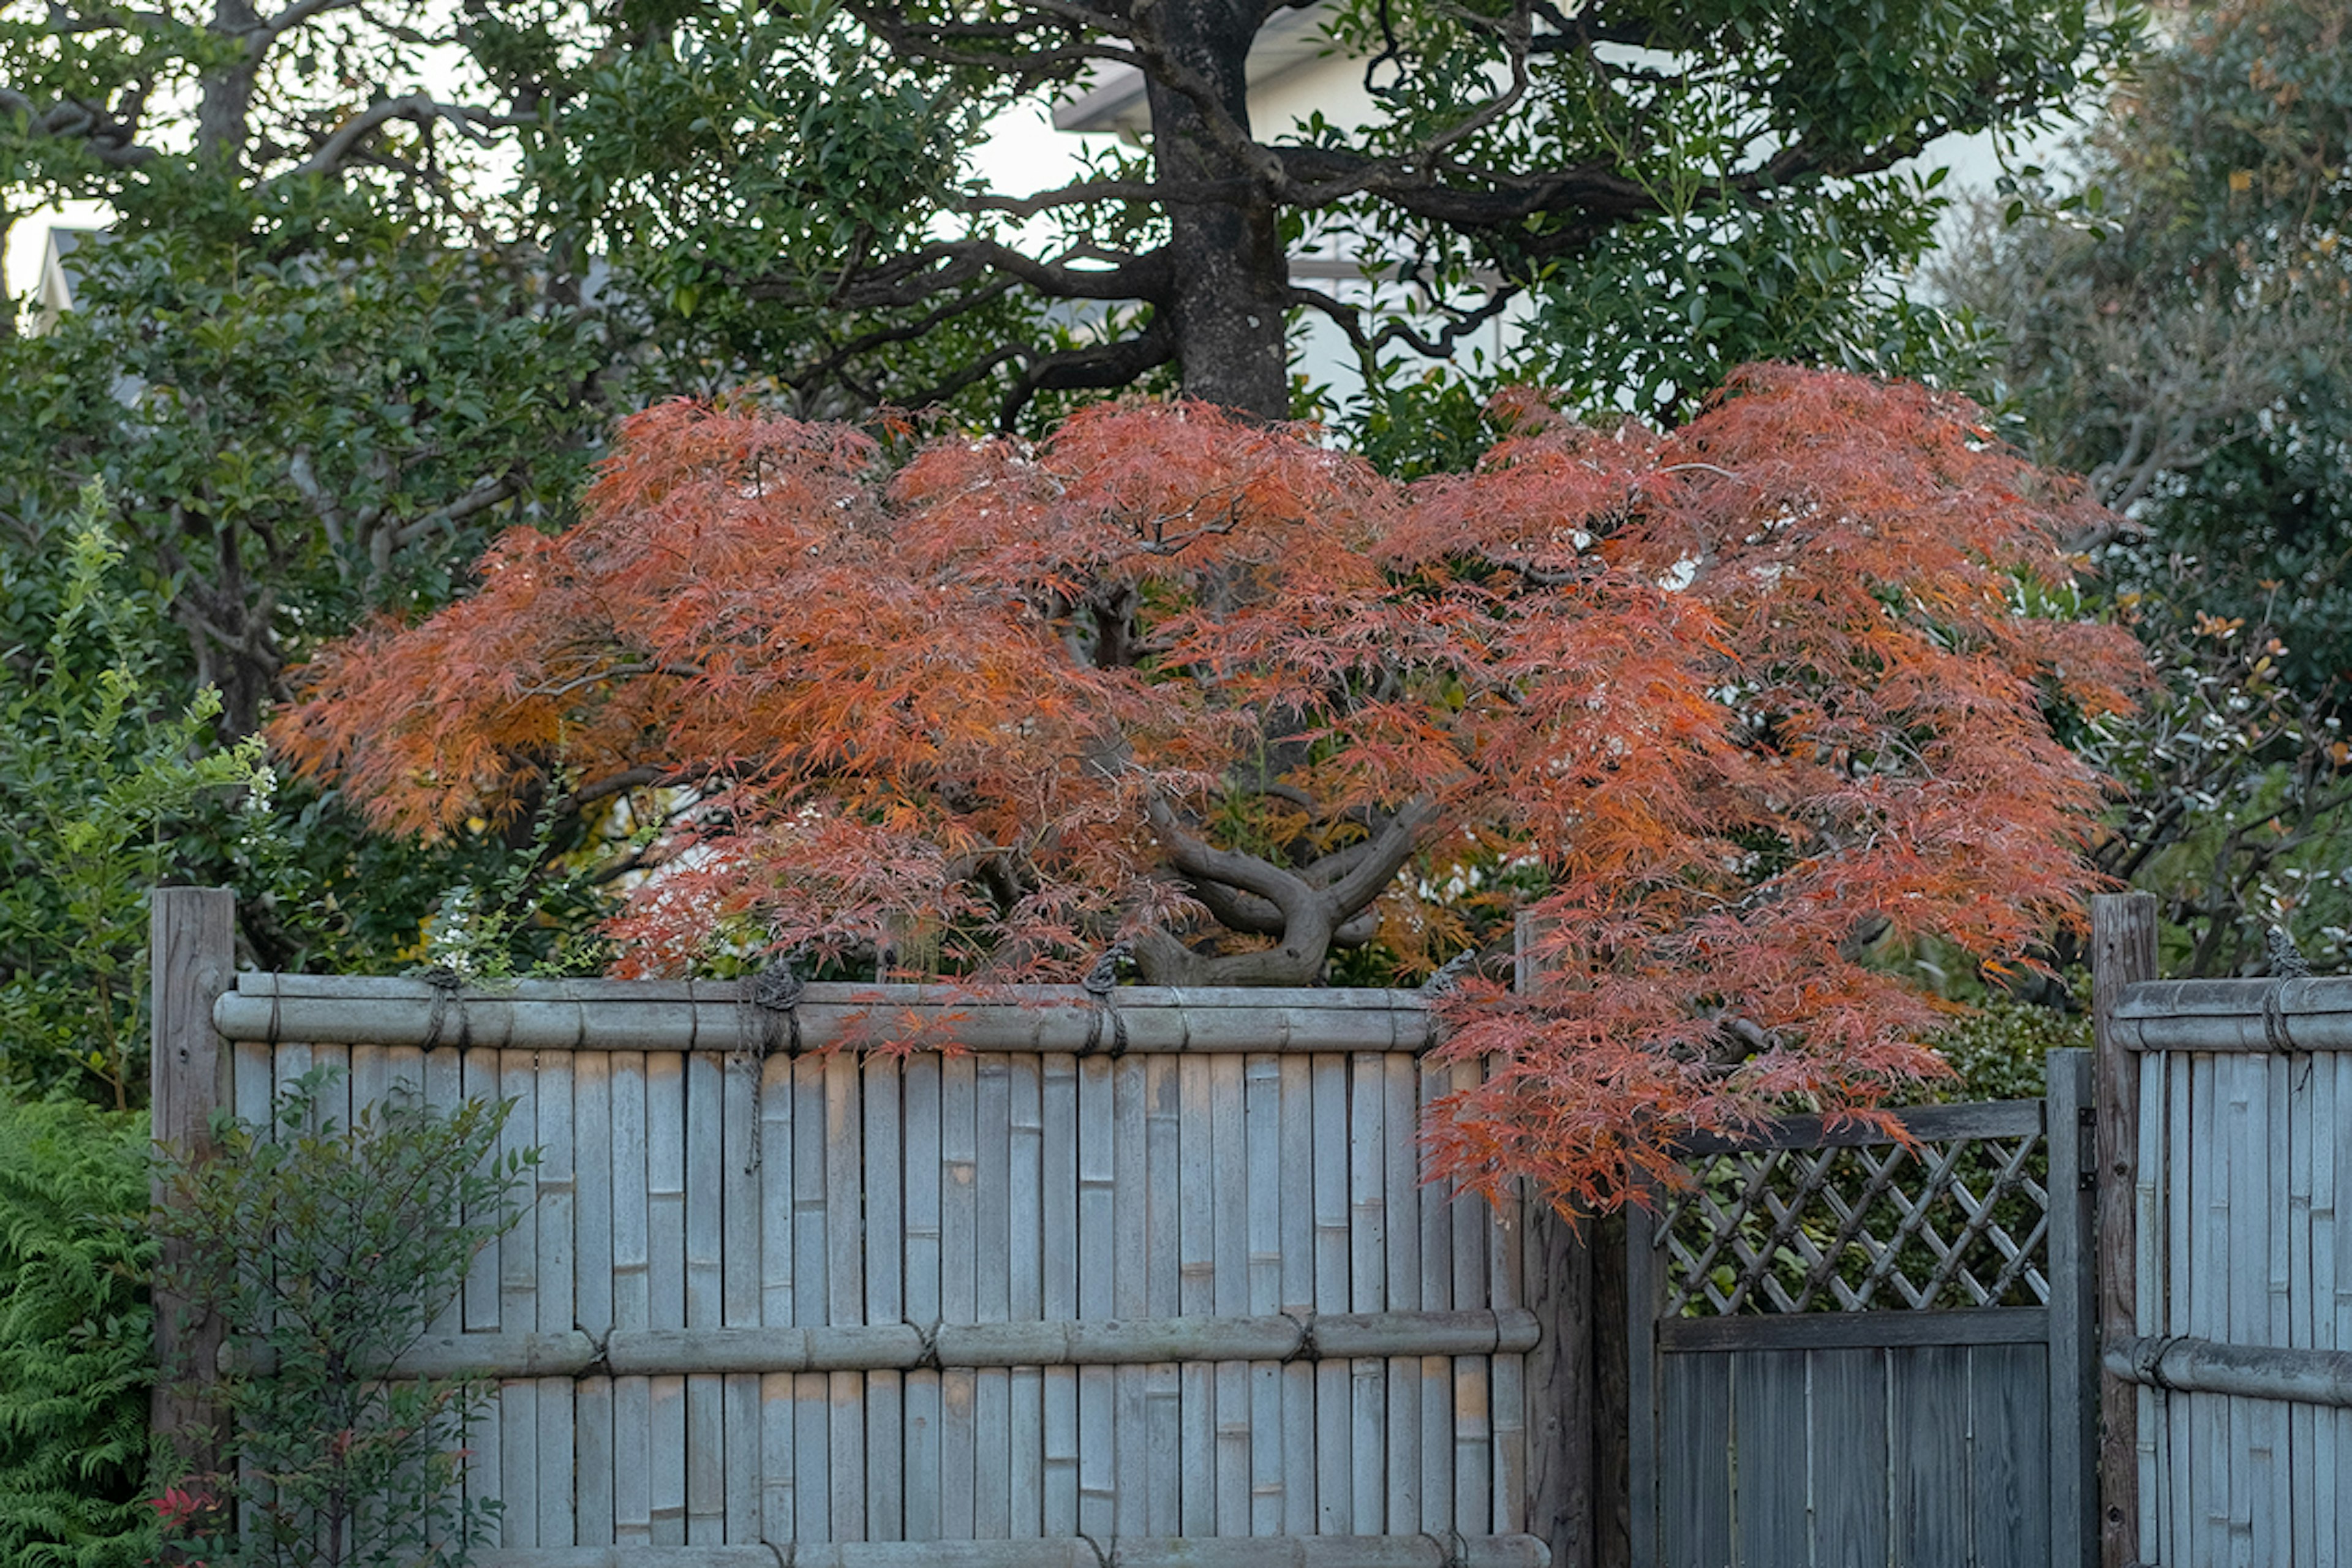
x: 1737, y: 697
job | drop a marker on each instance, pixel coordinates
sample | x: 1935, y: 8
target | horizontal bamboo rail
x: 2312, y: 1015
x: 2250, y: 1371
x: 883, y: 1347
x: 1447, y: 1551
x: 718, y: 1015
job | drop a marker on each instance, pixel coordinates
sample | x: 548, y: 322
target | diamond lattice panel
x: 1935, y: 1226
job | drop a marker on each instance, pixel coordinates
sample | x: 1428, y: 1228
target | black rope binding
x: 445, y: 981
x: 1098, y: 983
x: 774, y: 994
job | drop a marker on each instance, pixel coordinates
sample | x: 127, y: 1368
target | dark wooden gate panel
x: 1849, y: 1352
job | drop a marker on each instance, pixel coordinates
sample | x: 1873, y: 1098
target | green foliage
x: 1998, y: 1050
x: 326, y: 1246
x: 77, y: 1337
x: 1795, y: 258
x: 2177, y: 321
x: 93, y: 773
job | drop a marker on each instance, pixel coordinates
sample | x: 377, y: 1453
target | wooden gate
x: 1848, y: 1351
x: 1146, y: 1278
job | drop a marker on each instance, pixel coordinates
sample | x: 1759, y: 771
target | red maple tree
x: 1728, y: 705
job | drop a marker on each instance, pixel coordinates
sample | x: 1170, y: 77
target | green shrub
x: 77, y: 1337
x: 324, y: 1248
x: 1998, y: 1050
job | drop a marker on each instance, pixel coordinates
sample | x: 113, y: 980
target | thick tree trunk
x: 225, y: 107
x: 1231, y: 275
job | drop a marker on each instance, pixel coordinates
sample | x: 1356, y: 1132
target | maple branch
x: 617, y: 672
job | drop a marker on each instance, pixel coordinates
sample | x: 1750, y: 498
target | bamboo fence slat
x: 1097, y: 1260
x: 742, y: 1155
x: 958, y: 1288
x: 1194, y: 1130
x: 1059, y: 1246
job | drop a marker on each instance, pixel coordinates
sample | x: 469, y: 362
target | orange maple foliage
x: 1740, y: 698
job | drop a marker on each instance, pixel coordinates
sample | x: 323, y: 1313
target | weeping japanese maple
x: 1732, y: 704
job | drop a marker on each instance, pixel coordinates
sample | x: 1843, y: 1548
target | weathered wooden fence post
x: 1573, y: 1391
x: 1563, y: 1411
x: 193, y: 951
x: 2123, y: 951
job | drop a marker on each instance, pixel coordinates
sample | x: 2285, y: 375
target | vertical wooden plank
x: 519, y: 1429
x: 1847, y: 1468
x: 1196, y: 1286
x: 1026, y: 1285
x: 632, y: 1396
x: 1130, y: 1298
x: 991, y: 1486
x: 813, y: 1457
x: 1506, y: 1380
x: 778, y: 1151
x: 370, y: 1070
x: 1230, y: 1172
x: 2179, y: 1070
x: 592, y: 1447
x: 2206, y: 1268
x: 1643, y: 1295
x: 1929, y: 1394
x: 1160, y: 1475
x: 1061, y: 1243
x: 2256, y: 1443
x: 1474, y: 1455
x: 1696, y: 1407
x: 779, y: 1512
x: 2009, y: 1452
x: 2072, y: 1397
x: 812, y: 1419
x: 1262, y: 1116
x: 2153, y: 1226
x: 845, y: 1265
x: 2274, y: 1418
x: 2330, y: 1115
x: 1769, y: 1478
x: 191, y: 951
x: 556, y: 1291
x: 1335, y: 1498
x: 1368, y: 1150
x: 665, y: 1417
x: 1400, y: 1076
x: 2337, y: 1449
x: 919, y: 1160
x: 2301, y: 1510
x: 1099, y: 1255
x: 443, y: 1090
x: 1297, y: 1219
x: 885, y: 1391
x: 958, y: 1301
x: 779, y: 1518
x: 1436, y: 1295
x: 706, y: 1394
x: 741, y: 1288
x: 2123, y: 951
x: 1558, y: 1391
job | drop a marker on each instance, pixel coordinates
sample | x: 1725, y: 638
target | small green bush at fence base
x: 325, y: 1248
x: 77, y: 1337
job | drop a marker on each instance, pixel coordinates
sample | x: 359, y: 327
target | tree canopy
x: 1724, y: 707
x: 2178, y: 320
x: 1665, y: 191
x: 2176, y: 312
